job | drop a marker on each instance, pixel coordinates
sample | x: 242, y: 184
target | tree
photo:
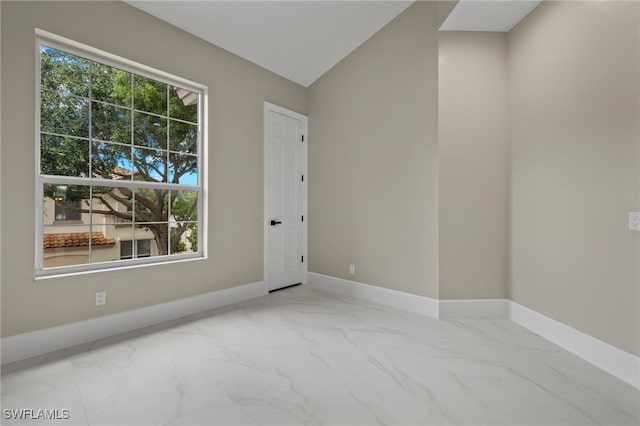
x: 102, y: 122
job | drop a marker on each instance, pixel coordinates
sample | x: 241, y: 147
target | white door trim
x: 269, y: 107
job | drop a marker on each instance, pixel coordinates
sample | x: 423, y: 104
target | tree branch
x: 157, y: 170
x: 144, y: 166
x: 148, y: 204
x: 159, y: 208
x: 111, y: 211
x: 191, y: 209
x: 142, y: 169
x: 176, y: 236
x: 126, y: 201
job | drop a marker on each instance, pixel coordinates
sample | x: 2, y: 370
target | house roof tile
x: 75, y: 239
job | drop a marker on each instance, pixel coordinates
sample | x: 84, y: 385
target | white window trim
x: 79, y: 49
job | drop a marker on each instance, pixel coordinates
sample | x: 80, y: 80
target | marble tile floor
x: 302, y: 356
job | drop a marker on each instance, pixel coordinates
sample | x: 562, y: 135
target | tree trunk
x: 161, y: 237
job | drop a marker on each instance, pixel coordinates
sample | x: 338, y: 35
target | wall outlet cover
x: 634, y: 221
x: 101, y: 298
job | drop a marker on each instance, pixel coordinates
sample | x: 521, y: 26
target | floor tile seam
x: 76, y: 386
x: 82, y: 403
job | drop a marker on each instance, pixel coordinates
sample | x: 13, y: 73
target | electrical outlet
x: 101, y: 298
x: 352, y: 269
x: 634, y: 221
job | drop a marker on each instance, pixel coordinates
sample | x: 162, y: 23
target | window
x: 120, y: 159
x: 69, y: 210
x: 66, y: 207
x: 143, y: 249
x: 126, y: 250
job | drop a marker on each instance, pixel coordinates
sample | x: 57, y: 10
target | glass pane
x: 65, y: 203
x: 112, y: 205
x: 126, y: 248
x: 183, y: 137
x: 184, y: 206
x: 183, y: 104
x: 65, y: 245
x: 111, y: 161
x: 150, y: 165
x: 149, y: 95
x: 110, y: 84
x: 63, y: 72
x: 143, y: 248
x: 150, y: 131
x: 184, y: 237
x: 64, y: 156
x: 110, y: 123
x: 65, y: 115
x: 104, y: 247
x: 151, y: 205
x: 152, y: 239
x: 183, y: 168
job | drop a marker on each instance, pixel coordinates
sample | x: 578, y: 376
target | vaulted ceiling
x: 301, y: 40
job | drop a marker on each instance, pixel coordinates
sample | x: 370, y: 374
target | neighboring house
x: 67, y: 230
x: 72, y: 248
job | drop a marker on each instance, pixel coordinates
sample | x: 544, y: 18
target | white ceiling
x: 480, y: 15
x: 299, y: 40
x: 302, y: 39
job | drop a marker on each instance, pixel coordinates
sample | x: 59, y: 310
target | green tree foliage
x: 102, y: 122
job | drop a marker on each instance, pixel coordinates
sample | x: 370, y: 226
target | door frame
x: 269, y: 107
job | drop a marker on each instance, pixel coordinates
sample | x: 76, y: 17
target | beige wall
x: 373, y: 159
x: 574, y: 95
x: 237, y: 90
x: 473, y: 164
x: 376, y: 196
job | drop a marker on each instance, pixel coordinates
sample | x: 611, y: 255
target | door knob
x: 275, y: 222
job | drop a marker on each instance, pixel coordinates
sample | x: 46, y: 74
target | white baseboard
x: 405, y: 301
x: 474, y: 308
x: 34, y: 343
x: 611, y: 359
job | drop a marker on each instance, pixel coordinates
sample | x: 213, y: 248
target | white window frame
x: 52, y: 40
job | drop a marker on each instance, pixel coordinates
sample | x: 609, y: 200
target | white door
x: 285, y: 197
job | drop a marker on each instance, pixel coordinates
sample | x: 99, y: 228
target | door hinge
x: 302, y: 178
x: 303, y: 218
x: 302, y: 138
x: 302, y: 259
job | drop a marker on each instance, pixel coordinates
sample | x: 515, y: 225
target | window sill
x: 113, y: 266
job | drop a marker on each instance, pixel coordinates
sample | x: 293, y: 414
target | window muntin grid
x: 150, y: 148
